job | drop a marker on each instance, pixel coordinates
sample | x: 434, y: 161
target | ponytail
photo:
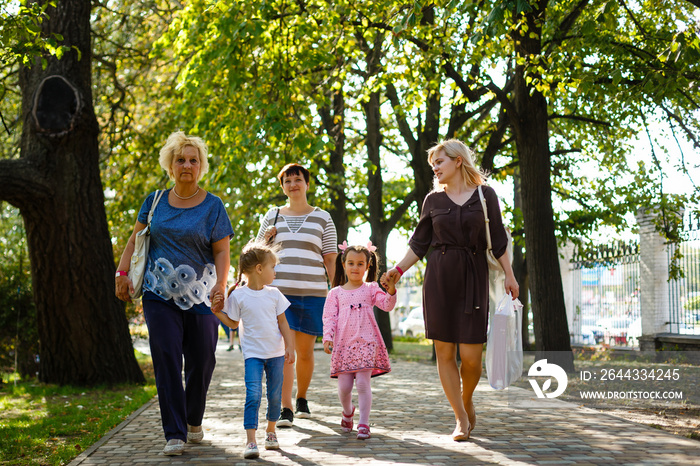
x: 339, y: 277
x: 373, y: 269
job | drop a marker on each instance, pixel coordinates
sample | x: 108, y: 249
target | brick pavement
x: 410, y: 423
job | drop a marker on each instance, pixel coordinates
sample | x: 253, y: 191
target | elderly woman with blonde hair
x: 456, y: 283
x: 188, y: 262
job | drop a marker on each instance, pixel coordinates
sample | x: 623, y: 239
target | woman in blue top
x: 188, y: 261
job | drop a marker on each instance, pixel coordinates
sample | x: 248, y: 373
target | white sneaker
x: 251, y: 451
x: 195, y: 437
x: 271, y: 442
x: 174, y: 447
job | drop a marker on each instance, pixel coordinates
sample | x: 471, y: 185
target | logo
x: 542, y: 368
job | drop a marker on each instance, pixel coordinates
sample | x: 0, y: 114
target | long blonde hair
x: 454, y: 148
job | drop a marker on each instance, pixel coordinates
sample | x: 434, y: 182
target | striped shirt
x: 304, y: 241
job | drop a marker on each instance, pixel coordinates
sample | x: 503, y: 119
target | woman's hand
x: 217, y: 301
x: 389, y: 282
x: 270, y: 234
x: 391, y: 276
x: 123, y: 288
x: 328, y: 347
x: 217, y: 298
x: 512, y: 286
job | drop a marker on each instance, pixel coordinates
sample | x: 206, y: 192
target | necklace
x: 185, y: 198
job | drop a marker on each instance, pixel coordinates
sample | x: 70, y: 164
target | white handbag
x: 490, y: 258
x: 139, y: 258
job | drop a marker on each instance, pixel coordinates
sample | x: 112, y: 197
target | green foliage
x: 20, y: 34
x: 19, y: 339
x: 693, y: 304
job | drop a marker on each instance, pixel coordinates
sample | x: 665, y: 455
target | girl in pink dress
x: 350, y: 332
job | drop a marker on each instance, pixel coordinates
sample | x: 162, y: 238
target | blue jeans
x: 254, y: 368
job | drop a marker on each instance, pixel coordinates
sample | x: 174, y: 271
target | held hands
x: 392, y: 276
x: 217, y: 301
x: 389, y: 280
x: 328, y: 346
x: 123, y: 288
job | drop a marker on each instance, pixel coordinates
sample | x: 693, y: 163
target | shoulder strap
x: 157, y: 197
x: 276, y: 216
x: 486, y: 218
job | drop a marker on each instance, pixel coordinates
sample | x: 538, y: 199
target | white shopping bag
x: 504, y: 344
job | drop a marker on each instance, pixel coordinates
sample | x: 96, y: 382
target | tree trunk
x: 375, y: 191
x: 520, y: 265
x: 334, y: 125
x: 56, y: 185
x: 532, y: 142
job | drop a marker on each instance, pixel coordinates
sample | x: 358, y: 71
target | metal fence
x: 606, y: 295
x: 684, y: 292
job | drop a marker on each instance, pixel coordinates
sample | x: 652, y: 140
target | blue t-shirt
x: 180, y: 257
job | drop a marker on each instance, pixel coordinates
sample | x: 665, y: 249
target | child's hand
x: 383, y: 280
x: 389, y: 283
x: 217, y: 302
x: 328, y: 346
x: 289, y: 355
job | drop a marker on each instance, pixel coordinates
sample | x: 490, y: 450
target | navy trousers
x: 174, y: 333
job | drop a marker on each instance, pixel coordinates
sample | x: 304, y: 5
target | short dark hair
x: 293, y: 169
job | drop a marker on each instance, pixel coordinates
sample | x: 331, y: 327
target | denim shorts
x: 305, y: 314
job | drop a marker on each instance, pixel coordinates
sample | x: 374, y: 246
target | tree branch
x: 688, y: 132
x: 555, y: 116
x: 566, y: 25
x: 404, y: 127
x: 401, y: 210
x: 21, y: 183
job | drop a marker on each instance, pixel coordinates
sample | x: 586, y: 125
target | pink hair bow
x: 371, y: 247
x: 343, y: 246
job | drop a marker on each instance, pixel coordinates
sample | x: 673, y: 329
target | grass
x: 45, y: 424
x: 412, y: 349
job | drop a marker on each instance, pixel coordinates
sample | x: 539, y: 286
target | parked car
x: 590, y: 327
x: 615, y: 330
x: 413, y: 324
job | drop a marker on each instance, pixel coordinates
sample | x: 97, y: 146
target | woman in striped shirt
x: 308, y: 242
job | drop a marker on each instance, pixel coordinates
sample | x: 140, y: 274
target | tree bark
x: 56, y: 185
x: 520, y: 265
x: 375, y: 190
x: 532, y: 142
x: 333, y: 121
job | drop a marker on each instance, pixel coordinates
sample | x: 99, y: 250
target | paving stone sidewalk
x: 410, y: 423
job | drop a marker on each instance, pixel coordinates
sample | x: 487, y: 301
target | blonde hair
x: 174, y: 146
x: 253, y: 254
x: 454, y: 148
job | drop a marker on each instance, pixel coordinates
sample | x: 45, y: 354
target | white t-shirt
x: 257, y: 311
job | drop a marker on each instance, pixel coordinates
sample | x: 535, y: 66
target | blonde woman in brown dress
x: 456, y: 285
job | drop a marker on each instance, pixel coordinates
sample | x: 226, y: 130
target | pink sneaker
x: 363, y: 432
x: 346, y: 426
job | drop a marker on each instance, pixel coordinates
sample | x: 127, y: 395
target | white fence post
x: 653, y: 280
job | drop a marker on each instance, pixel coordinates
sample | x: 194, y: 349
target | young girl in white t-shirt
x: 265, y: 337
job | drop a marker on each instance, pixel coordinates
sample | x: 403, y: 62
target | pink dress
x: 348, y: 321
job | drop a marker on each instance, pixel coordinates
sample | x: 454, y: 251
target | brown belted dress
x: 456, y: 284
